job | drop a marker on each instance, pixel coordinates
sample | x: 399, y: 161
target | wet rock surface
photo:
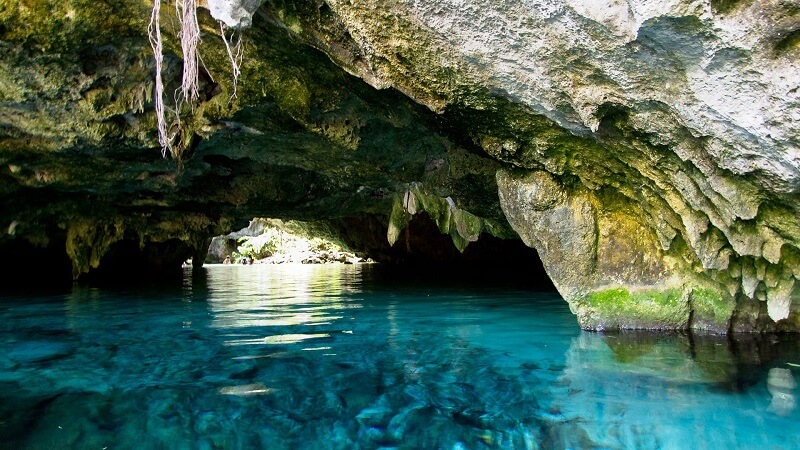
x: 658, y: 141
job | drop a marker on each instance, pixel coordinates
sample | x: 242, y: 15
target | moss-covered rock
x: 593, y: 134
x: 711, y: 310
x: 618, y: 308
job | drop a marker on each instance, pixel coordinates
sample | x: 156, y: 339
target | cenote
x: 345, y: 356
x: 428, y: 224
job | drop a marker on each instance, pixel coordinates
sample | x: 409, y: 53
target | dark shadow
x: 430, y: 258
x: 731, y: 363
x: 127, y: 263
x: 29, y: 267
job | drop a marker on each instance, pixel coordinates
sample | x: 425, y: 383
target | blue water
x: 333, y: 357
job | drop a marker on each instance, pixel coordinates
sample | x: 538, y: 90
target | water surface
x: 335, y: 357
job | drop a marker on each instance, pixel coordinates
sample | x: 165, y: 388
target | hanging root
x: 235, y: 54
x: 188, y: 92
x: 190, y: 38
x: 154, y: 33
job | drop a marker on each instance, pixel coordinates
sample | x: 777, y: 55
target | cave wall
x: 301, y: 139
x: 647, y: 150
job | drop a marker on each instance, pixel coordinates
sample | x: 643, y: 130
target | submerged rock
x: 246, y: 390
x: 38, y: 351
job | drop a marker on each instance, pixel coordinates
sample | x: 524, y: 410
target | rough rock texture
x: 302, y: 139
x: 235, y: 14
x: 647, y: 149
x: 670, y: 127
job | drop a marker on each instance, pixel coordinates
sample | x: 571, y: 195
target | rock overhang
x: 669, y: 127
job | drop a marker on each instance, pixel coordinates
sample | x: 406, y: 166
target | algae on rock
x: 647, y: 153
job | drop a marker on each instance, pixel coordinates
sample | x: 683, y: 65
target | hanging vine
x: 188, y: 92
x: 235, y: 54
x: 190, y: 39
x: 154, y: 33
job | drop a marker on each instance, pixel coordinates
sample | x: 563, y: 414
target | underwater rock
x: 38, y: 351
x: 245, y: 390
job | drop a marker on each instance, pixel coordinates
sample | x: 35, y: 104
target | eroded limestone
x: 647, y: 149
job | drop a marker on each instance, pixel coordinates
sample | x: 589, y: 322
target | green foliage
x: 259, y: 247
x: 287, y: 241
x: 323, y: 245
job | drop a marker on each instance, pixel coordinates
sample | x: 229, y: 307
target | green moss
x: 292, y: 22
x: 87, y: 242
x: 67, y: 25
x: 788, y: 42
x: 462, y: 226
x: 512, y: 133
x: 398, y: 220
x: 437, y: 208
x: 726, y: 6
x: 467, y: 225
x: 459, y: 242
x: 291, y: 95
x: 620, y: 309
x: 711, y: 310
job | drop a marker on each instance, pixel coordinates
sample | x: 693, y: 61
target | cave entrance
x: 422, y: 254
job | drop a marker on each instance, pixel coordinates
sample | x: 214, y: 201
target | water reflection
x: 286, y: 304
x: 650, y: 390
x: 730, y: 363
x: 781, y: 385
x: 314, y: 357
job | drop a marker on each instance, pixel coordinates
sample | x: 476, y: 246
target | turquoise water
x: 334, y: 357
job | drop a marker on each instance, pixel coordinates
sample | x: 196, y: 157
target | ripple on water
x: 322, y: 357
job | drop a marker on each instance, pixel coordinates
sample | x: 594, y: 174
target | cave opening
x: 27, y: 264
x: 421, y: 255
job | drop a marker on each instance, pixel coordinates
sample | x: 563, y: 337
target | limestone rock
x: 686, y: 111
x: 779, y: 300
x: 236, y: 14
x: 562, y: 229
x: 647, y: 149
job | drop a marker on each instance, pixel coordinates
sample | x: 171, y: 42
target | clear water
x: 328, y: 357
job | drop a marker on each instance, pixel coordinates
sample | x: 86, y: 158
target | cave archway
x: 422, y: 254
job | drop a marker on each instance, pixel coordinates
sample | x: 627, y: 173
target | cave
x: 518, y: 224
x: 421, y: 253
x: 644, y: 218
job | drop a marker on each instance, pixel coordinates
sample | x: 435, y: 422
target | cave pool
x: 334, y: 356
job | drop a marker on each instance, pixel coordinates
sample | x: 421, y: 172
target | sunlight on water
x: 335, y: 357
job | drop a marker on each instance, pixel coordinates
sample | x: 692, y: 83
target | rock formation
x: 647, y: 149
